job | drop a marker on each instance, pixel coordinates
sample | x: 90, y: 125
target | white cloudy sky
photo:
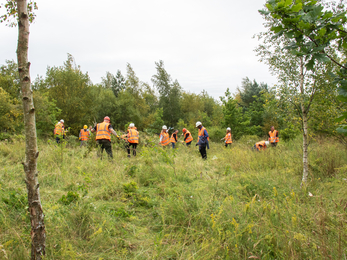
x: 204, y: 44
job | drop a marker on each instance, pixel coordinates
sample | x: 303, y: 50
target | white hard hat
x: 197, y: 124
x: 229, y: 129
x: 132, y: 125
x: 267, y: 143
x: 164, y: 127
x: 62, y: 120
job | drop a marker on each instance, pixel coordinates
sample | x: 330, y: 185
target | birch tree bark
x: 304, y: 113
x: 38, y: 235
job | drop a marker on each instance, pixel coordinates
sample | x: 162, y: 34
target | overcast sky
x: 204, y: 44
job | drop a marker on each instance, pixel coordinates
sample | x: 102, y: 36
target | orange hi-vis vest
x: 172, y: 140
x: 102, y: 131
x: 202, y: 133
x: 260, y: 145
x: 84, y: 135
x: 273, y: 138
x: 165, y: 138
x: 133, y: 136
x: 58, y: 129
x: 189, y: 138
x: 228, y: 139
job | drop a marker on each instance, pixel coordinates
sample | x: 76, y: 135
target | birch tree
x: 297, y: 84
x: 314, y: 29
x: 22, y: 11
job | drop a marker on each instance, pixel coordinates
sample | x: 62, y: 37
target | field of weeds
x: 170, y: 204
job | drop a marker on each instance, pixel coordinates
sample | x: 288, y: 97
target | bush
x: 69, y: 198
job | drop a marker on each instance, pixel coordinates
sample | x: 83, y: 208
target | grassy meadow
x: 170, y: 204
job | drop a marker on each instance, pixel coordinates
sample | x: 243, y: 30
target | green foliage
x: 69, y: 198
x: 233, y: 116
x: 234, y: 204
x: 130, y: 188
x: 11, y: 15
x: 15, y: 199
x: 158, y: 123
x: 71, y: 89
x: 315, y: 32
x: 46, y: 113
x: 170, y: 94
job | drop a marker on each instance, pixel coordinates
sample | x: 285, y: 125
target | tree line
x: 67, y: 92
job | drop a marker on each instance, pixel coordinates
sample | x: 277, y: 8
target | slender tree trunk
x: 304, y: 113
x: 304, y: 146
x: 38, y: 234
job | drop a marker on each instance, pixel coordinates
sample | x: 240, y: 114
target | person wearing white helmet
x: 59, y: 131
x: 133, y: 139
x: 164, y: 138
x: 260, y: 146
x: 227, y: 138
x: 203, y: 140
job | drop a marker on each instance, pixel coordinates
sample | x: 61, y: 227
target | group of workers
x: 104, y: 130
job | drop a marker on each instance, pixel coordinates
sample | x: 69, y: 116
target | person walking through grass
x: 227, y: 138
x: 164, y: 138
x: 84, y: 135
x: 133, y: 139
x: 59, y: 131
x: 203, y: 140
x: 103, y: 136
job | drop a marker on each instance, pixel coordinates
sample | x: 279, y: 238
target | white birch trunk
x: 38, y: 234
x: 304, y: 147
x: 304, y: 113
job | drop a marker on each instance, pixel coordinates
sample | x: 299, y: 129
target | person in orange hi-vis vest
x: 228, y: 138
x: 164, y: 138
x: 273, y: 137
x: 203, y: 140
x: 259, y: 146
x: 133, y: 139
x: 84, y: 135
x: 173, y: 139
x: 103, y: 136
x: 59, y: 131
x: 188, y: 138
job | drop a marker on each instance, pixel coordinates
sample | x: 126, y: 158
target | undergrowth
x: 166, y: 204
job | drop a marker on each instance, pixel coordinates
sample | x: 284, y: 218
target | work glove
x: 196, y: 144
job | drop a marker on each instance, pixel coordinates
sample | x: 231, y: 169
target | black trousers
x: 105, y: 144
x: 202, y: 150
x: 133, y: 147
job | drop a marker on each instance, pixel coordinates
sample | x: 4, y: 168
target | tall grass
x: 166, y: 204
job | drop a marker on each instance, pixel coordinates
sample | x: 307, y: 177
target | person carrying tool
x: 173, y: 139
x: 164, y: 137
x: 59, y: 131
x: 103, y: 135
x: 273, y: 137
x: 203, y: 140
x: 84, y: 135
x: 133, y: 139
x: 227, y: 138
x: 259, y: 146
x: 187, y: 137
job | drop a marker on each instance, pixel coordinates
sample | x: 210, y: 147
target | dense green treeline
x: 67, y: 92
